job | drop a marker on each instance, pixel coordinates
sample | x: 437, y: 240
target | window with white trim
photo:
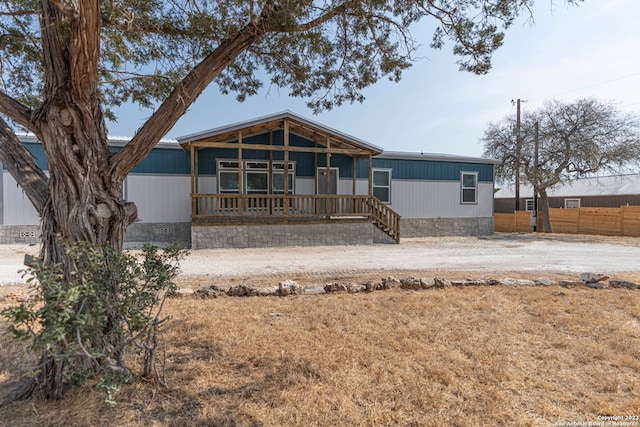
x: 278, y: 177
x: 529, y: 205
x: 382, y: 184
x: 468, y: 187
x: 228, y: 177
x: 571, y: 203
x: 257, y: 177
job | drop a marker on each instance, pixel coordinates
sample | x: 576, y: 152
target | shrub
x: 95, y: 308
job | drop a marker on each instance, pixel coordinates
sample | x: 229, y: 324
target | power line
x: 587, y: 87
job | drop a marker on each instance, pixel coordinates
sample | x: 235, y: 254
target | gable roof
x: 299, y: 125
x: 593, y: 186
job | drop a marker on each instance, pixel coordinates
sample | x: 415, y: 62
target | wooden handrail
x: 385, y: 218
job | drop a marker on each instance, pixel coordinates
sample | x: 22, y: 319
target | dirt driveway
x: 500, y: 254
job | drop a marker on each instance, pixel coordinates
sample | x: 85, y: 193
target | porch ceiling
x: 227, y: 137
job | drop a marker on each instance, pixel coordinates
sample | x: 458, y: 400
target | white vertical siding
x: 17, y: 208
x: 206, y: 184
x: 438, y: 199
x: 160, y: 198
x: 304, y: 186
x: 362, y: 186
x: 428, y: 199
x: 345, y: 186
x: 165, y: 198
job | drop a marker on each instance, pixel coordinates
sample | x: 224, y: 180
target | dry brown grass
x: 459, y: 356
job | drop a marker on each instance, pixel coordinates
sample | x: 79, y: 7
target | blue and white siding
x: 425, y: 190
x: 159, y: 186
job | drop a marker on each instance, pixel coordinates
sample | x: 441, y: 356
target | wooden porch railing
x: 270, y: 207
x: 385, y: 218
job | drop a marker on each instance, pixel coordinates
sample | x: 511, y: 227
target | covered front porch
x: 283, y: 169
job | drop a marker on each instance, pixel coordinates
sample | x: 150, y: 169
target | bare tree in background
x: 579, y: 139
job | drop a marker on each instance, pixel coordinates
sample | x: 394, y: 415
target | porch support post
x: 315, y: 179
x: 370, y: 175
x: 240, y: 208
x: 315, y: 171
x: 355, y: 161
x: 270, y: 201
x: 328, y: 179
x: 286, y: 169
x: 194, y: 181
x: 270, y: 191
x: 196, y: 171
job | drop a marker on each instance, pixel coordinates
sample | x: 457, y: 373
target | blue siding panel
x: 426, y: 170
x: 36, y: 151
x: 172, y: 161
x: 304, y: 163
x: 159, y: 161
x: 162, y: 161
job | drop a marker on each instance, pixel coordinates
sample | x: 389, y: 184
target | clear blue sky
x: 568, y: 53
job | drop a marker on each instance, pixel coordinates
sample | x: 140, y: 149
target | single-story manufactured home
x: 283, y: 179
x: 593, y: 192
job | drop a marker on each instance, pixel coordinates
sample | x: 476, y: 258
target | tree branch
x: 16, y: 112
x: 185, y: 93
x: 331, y: 13
x: 152, y: 28
x: 23, y: 167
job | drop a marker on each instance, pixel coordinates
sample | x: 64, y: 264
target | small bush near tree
x: 109, y: 305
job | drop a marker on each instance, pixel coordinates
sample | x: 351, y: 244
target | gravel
x: 535, y: 253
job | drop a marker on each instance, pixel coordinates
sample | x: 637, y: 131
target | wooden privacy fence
x: 622, y: 221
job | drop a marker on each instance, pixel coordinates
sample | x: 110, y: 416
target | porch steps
x: 385, y: 218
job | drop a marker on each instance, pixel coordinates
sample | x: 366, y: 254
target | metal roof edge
x: 605, y: 185
x: 120, y: 141
x: 405, y: 155
x: 277, y: 116
x: 113, y: 141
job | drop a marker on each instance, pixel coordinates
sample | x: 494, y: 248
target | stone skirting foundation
x: 339, y: 232
x: 20, y: 234
x: 160, y: 234
x: 433, y: 227
x: 286, y: 234
x: 157, y: 234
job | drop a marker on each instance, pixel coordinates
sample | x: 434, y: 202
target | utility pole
x: 518, y: 154
x: 536, y: 165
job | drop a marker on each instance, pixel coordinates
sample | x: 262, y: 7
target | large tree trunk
x: 85, y: 202
x: 544, y: 208
x: 85, y: 205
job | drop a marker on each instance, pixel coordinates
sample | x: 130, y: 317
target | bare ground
x: 513, y: 255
